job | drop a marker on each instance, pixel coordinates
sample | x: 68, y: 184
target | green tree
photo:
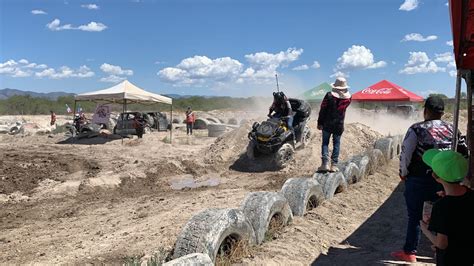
x: 439, y: 95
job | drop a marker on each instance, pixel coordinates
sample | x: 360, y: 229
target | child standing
x: 451, y: 217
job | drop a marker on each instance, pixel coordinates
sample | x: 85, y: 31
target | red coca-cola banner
x: 377, y: 91
x: 386, y: 91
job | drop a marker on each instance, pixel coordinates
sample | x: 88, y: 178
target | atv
x: 272, y: 137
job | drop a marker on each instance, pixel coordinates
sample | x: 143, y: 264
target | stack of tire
x: 201, y: 238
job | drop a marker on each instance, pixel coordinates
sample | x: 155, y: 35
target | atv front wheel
x: 306, y: 136
x: 284, y: 155
x: 251, y: 150
x: 147, y: 130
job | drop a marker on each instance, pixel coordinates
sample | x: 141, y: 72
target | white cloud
x: 264, y: 66
x: 447, y: 3
x: 116, y: 73
x: 115, y: 70
x: 66, y: 72
x: 20, y: 69
x: 315, y: 65
x: 91, y: 6
x: 338, y: 74
x: 300, y: 68
x: 14, y: 69
x: 201, y: 69
x: 112, y: 79
x: 444, y: 57
x: 416, y: 37
x: 357, y: 57
x: 38, y: 12
x: 264, y: 60
x: 409, y: 5
x: 55, y: 25
x: 21, y: 74
x: 450, y: 43
x: 92, y: 26
x: 419, y: 62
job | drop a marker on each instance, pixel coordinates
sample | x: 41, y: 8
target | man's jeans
x: 336, y: 142
x: 290, y: 123
x: 189, y: 128
x: 417, y: 191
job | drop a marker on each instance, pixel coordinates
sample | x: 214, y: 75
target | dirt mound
x: 23, y: 171
x: 229, y: 146
x: 361, y: 134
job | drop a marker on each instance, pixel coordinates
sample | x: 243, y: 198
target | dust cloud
x: 382, y: 122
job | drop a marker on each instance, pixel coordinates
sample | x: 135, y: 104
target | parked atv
x: 272, y: 137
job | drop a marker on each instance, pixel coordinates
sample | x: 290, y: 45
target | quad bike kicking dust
x: 283, y: 132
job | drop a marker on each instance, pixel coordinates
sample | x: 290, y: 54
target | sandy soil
x: 81, y: 203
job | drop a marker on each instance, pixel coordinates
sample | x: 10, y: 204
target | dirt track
x: 102, y: 203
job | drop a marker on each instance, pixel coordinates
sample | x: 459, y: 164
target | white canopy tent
x: 124, y: 93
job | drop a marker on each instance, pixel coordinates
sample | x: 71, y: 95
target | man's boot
x: 334, y: 167
x: 324, y: 166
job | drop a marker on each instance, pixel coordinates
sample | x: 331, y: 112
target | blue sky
x: 224, y: 47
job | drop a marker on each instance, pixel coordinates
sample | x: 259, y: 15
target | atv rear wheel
x: 284, y: 155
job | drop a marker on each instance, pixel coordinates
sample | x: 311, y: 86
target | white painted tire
x: 331, y: 183
x: 351, y: 172
x: 207, y: 230
x: 261, y: 207
x: 377, y: 160
x: 386, y: 147
x: 191, y: 259
x: 302, y: 194
x: 363, y: 162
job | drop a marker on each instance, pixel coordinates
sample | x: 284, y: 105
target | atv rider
x: 282, y: 108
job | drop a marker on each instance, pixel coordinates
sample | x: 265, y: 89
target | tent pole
x: 73, y: 117
x: 456, y: 110
x: 74, y: 112
x: 171, y: 129
x: 123, y: 113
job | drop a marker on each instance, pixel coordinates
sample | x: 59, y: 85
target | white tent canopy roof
x: 121, y: 92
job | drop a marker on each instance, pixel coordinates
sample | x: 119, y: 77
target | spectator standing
x: 419, y: 185
x: 331, y: 122
x: 139, y: 125
x: 190, y: 119
x: 53, y: 118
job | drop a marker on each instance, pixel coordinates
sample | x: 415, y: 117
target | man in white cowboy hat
x: 331, y: 122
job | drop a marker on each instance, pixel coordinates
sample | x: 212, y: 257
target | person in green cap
x: 451, y: 217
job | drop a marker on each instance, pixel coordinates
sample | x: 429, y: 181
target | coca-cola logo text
x: 377, y: 91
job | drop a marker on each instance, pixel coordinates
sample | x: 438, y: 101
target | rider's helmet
x: 277, y: 96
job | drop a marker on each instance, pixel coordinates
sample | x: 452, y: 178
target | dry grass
x: 232, y: 250
x: 274, y: 228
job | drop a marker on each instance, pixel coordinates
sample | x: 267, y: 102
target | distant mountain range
x: 7, y: 93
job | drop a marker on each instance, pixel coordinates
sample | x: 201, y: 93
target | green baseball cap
x: 448, y: 165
